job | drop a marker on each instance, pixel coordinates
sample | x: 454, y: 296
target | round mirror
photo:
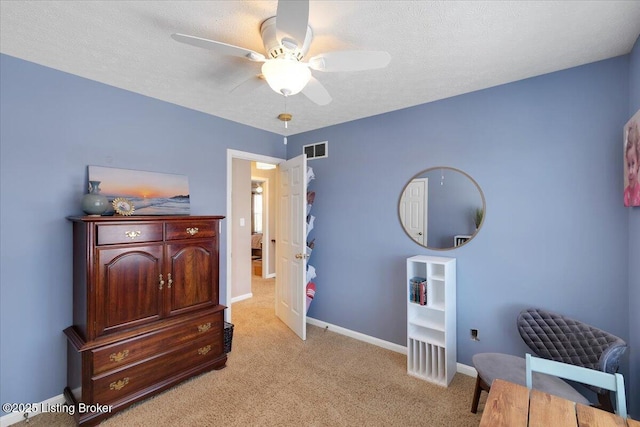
x: 441, y: 208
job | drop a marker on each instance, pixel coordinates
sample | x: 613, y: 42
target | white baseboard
x: 241, y: 297
x: 467, y: 370
x: 461, y: 368
x: 35, y: 409
x: 357, y: 335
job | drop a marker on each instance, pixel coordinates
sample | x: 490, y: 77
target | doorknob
x: 302, y: 256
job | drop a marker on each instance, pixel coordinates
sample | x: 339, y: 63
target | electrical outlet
x: 474, y: 335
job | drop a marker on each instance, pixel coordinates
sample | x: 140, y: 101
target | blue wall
x: 545, y: 151
x: 52, y: 126
x: 634, y: 253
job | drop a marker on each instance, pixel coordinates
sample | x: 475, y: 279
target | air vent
x: 318, y: 150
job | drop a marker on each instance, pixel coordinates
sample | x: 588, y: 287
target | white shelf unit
x: 431, y: 326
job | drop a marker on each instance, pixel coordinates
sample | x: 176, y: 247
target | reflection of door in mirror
x: 438, y: 208
x: 414, y: 209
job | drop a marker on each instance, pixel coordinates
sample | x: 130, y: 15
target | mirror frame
x: 423, y: 172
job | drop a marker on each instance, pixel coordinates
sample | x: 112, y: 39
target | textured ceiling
x: 438, y: 48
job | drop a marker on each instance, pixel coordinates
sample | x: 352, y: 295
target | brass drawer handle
x: 133, y: 234
x: 169, y: 280
x: 119, y: 356
x: 205, y: 327
x: 192, y: 230
x: 161, y: 282
x: 204, y: 350
x: 118, y: 385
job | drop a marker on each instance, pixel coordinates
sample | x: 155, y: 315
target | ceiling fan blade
x: 219, y: 47
x: 316, y: 92
x: 292, y: 19
x: 357, y: 60
x: 249, y: 85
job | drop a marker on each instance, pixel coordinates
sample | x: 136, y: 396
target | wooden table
x: 514, y: 405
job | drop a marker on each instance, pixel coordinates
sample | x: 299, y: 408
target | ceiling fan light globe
x: 286, y: 77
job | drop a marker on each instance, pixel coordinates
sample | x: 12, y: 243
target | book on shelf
x: 418, y: 290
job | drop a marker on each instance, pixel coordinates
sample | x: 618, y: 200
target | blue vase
x: 94, y: 203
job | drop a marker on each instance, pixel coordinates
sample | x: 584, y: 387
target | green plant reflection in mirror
x: 441, y: 208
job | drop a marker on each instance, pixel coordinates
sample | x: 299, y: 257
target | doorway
x: 238, y: 256
x: 260, y: 230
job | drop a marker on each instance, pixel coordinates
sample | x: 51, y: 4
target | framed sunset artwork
x: 631, y: 162
x: 149, y: 193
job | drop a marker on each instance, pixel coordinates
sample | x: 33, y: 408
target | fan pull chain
x: 285, y: 137
x: 285, y: 119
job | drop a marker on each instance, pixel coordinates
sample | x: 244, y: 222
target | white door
x: 291, y: 236
x: 413, y: 209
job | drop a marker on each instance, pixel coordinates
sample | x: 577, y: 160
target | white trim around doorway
x: 235, y: 154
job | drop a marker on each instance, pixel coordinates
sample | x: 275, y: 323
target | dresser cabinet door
x: 194, y: 275
x: 129, y: 289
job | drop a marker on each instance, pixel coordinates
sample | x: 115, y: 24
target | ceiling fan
x: 286, y: 38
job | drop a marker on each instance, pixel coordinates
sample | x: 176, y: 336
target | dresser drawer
x: 117, y: 385
x: 130, y: 232
x: 177, y: 230
x: 148, y: 345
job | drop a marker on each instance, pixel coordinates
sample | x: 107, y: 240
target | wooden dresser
x: 146, y: 313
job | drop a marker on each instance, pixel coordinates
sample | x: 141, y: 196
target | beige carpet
x: 273, y: 378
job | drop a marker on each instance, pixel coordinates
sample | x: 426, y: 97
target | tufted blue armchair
x: 556, y: 337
